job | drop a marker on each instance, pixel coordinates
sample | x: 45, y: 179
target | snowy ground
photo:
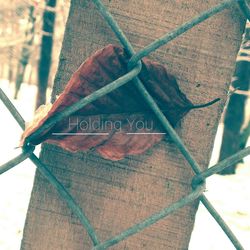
x: 229, y: 194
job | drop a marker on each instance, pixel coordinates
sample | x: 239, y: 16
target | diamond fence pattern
x: 134, y: 67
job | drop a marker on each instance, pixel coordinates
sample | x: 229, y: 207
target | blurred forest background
x: 31, y: 34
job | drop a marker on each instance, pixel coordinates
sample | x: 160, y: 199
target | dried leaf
x: 120, y: 123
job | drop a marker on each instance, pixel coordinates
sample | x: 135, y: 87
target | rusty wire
x: 134, y: 66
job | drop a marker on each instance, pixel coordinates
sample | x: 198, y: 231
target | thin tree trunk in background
x: 26, y: 51
x: 234, y: 137
x: 10, y: 70
x: 10, y: 61
x: 46, y: 51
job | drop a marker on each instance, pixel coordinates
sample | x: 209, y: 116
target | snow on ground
x: 16, y: 184
x: 229, y: 194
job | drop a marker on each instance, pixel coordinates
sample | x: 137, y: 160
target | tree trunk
x: 46, y: 51
x: 234, y: 136
x: 115, y: 195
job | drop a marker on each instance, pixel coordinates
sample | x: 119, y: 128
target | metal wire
x: 180, y: 30
x: 15, y: 161
x: 83, y: 102
x: 67, y: 197
x: 221, y: 223
x: 45, y: 171
x: 147, y: 97
x: 152, y: 219
x: 134, y: 67
x: 221, y: 165
x: 9, y: 105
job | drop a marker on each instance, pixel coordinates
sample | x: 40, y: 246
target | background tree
x: 236, y: 123
x: 46, y: 51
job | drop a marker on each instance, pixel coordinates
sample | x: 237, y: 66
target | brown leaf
x: 119, y: 123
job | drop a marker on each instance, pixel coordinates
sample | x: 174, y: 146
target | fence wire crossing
x: 134, y: 66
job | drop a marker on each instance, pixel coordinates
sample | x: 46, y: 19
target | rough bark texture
x: 115, y: 195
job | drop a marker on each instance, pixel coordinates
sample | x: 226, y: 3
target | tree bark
x: 116, y: 195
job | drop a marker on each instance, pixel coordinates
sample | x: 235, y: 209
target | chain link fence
x: 134, y: 67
